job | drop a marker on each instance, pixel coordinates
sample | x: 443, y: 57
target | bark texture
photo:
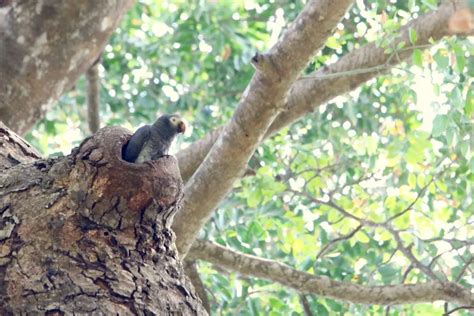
x: 14, y: 150
x: 44, y: 47
x: 89, y: 233
x: 191, y: 270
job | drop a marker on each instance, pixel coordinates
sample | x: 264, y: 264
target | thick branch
x: 304, y: 282
x: 334, y: 80
x: 44, y: 47
x: 260, y: 104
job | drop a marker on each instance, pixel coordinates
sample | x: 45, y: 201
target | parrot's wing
x: 136, y: 143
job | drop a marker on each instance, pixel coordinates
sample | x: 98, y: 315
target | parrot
x: 151, y: 142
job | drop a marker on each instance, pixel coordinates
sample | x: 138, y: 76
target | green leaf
x: 50, y: 127
x: 469, y: 105
x: 442, y: 186
x: 254, y: 198
x: 390, y: 202
x: 401, y: 45
x: 412, y: 35
x: 297, y: 246
x: 314, y: 185
x: 371, y: 145
x: 417, y: 57
x: 460, y: 62
x: 420, y: 180
x: 333, y: 43
x: 452, y: 136
x: 362, y: 237
x: 307, y: 264
x: 432, y: 4
x: 456, y: 98
x: 441, y: 60
x: 414, y: 156
x: 322, y: 310
x: 432, y: 188
x: 412, y: 180
x: 440, y: 124
x: 333, y: 216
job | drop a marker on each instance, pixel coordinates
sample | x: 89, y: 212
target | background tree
x: 345, y: 153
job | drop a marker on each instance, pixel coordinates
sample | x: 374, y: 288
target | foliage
x: 397, y: 151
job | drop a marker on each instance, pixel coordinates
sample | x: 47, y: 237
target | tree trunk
x: 44, y: 47
x: 89, y: 233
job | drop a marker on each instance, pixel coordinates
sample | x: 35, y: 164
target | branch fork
x: 264, y: 65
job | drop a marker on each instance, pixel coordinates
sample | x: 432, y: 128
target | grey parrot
x: 151, y: 142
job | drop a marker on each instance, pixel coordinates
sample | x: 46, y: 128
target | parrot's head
x: 177, y: 123
x: 172, y: 123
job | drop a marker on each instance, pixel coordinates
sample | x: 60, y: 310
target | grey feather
x: 136, y: 143
x: 153, y: 142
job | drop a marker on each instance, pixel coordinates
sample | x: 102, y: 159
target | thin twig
x: 327, y: 247
x: 306, y: 305
x: 419, y: 195
x: 407, y: 252
x: 457, y: 309
x: 464, y: 269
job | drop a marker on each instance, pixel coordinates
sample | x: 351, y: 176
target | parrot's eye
x: 174, y: 120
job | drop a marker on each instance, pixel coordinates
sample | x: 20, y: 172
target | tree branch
x: 192, y: 156
x: 304, y: 282
x: 308, y: 94
x: 331, y: 243
x: 306, y: 305
x: 260, y: 104
x: 458, y: 309
x: 326, y: 83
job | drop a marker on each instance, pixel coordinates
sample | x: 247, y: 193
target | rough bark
x: 248, y: 265
x: 44, y: 47
x: 191, y: 157
x: 260, y: 104
x: 14, y: 149
x: 191, y: 270
x: 351, y: 71
x: 89, y: 233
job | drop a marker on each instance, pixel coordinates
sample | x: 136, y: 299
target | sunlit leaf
x: 439, y: 125
x: 417, y: 57
x: 412, y: 35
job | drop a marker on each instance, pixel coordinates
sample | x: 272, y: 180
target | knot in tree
x: 89, y: 233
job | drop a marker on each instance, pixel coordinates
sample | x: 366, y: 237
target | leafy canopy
x: 398, y: 149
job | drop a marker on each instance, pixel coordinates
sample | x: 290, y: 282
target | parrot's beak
x: 181, y: 127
